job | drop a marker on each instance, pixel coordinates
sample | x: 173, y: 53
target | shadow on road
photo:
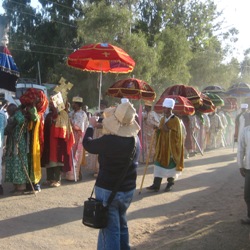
x: 39, y: 220
x: 203, y: 210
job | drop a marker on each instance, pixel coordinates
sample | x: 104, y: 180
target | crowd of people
x: 201, y: 132
x: 39, y: 134
x: 33, y: 125
x: 198, y: 133
x: 64, y: 138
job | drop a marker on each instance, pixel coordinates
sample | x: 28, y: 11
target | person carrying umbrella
x: 150, y: 121
x: 169, y: 152
x: 240, y: 121
x: 79, y: 123
x: 244, y: 167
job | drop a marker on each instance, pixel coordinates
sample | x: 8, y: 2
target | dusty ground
x: 202, y: 212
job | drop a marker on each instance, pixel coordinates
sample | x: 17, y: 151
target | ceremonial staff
x: 19, y: 155
x: 147, y: 160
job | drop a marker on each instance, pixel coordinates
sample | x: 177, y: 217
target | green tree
x: 149, y: 18
x: 174, y: 54
x: 200, y: 20
x: 110, y: 23
x: 45, y: 36
x: 104, y: 23
x: 23, y: 22
x: 171, y: 41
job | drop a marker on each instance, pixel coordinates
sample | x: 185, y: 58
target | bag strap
x: 114, y: 191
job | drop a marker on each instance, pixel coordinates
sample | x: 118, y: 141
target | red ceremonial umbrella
x: 101, y: 57
x: 230, y: 104
x: 189, y: 92
x: 132, y: 88
x: 182, y: 105
x: 37, y: 98
x: 207, y: 104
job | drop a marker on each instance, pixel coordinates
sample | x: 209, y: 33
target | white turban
x: 124, y: 100
x: 168, y: 103
x: 244, y: 105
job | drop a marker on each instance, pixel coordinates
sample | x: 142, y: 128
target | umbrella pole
x: 100, y: 92
x: 196, y: 142
x: 74, y: 165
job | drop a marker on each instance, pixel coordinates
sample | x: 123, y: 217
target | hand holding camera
x: 93, y: 121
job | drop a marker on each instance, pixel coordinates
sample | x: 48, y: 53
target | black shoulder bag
x: 95, y: 215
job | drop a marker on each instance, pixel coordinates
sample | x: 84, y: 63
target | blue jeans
x: 115, y: 236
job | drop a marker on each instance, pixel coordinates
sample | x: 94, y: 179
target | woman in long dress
x: 16, y: 160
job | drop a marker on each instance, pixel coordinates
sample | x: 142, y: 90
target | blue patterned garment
x: 3, y: 123
x: 8, y: 70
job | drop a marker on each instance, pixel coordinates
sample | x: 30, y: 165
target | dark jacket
x: 113, y: 156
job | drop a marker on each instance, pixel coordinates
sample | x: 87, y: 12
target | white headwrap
x: 124, y: 100
x: 168, y: 103
x: 244, y: 106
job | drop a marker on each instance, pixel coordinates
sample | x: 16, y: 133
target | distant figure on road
x: 243, y: 159
x: 240, y: 121
x: 216, y: 126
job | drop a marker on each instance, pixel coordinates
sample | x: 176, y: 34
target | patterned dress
x: 16, y: 161
x: 150, y: 120
x: 79, y: 121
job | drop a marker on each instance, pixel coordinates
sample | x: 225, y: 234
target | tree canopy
x: 171, y: 41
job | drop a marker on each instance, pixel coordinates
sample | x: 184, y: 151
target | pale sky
x: 236, y: 13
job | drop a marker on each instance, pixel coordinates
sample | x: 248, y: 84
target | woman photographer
x: 114, y: 149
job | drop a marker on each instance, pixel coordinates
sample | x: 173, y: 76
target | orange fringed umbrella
x: 132, y: 88
x: 101, y: 57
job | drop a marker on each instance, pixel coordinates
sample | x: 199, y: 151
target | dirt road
x: 202, y: 212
